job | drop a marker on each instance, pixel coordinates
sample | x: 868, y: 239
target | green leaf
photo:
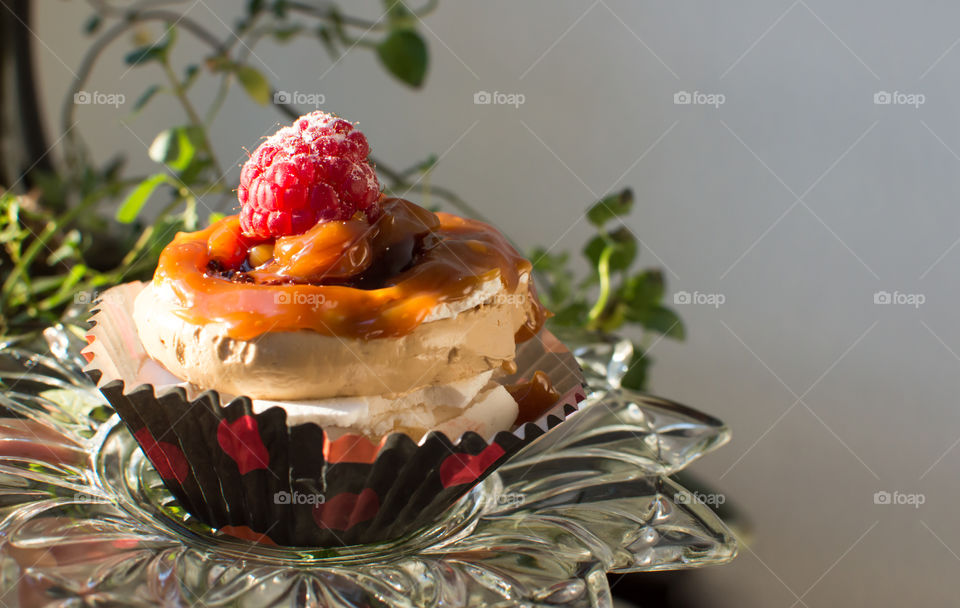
x: 404, y: 54
x: 163, y: 146
x: 547, y: 262
x: 193, y: 174
x: 152, y: 52
x: 643, y: 290
x: 255, y: 6
x: 144, y: 99
x: 176, y: 147
x: 594, y: 249
x: 636, y: 376
x: 615, y: 205
x: 135, y: 201
x: 66, y: 286
x: 428, y: 163
x: 144, y: 54
x: 571, y: 315
x: 189, y: 74
x: 92, y: 24
x: 621, y: 241
x: 552, y: 270
x: 255, y: 84
x: 659, y: 319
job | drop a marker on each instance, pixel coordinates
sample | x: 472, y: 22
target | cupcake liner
x: 245, y: 471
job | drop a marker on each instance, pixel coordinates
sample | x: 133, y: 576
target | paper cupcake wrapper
x: 252, y: 475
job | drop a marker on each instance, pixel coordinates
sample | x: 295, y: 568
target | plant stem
x: 603, y: 268
x: 194, y: 118
x: 23, y: 264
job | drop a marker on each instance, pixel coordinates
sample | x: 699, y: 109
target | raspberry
x: 315, y: 170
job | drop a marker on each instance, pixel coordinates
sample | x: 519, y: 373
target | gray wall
x: 797, y: 199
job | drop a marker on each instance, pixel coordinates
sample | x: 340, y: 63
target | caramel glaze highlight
x: 534, y: 397
x: 346, y: 279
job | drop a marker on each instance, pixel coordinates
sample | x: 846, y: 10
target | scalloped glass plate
x: 85, y: 519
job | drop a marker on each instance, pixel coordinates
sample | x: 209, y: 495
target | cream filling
x: 476, y: 404
x: 357, y: 412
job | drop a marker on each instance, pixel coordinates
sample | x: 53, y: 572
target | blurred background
x: 795, y: 171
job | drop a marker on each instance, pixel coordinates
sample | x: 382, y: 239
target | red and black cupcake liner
x: 254, y: 475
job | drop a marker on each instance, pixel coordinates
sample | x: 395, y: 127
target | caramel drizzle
x: 346, y: 278
x: 535, y: 397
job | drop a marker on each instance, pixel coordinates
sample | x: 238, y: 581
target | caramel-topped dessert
x: 331, y: 344
x: 366, y: 315
x: 341, y: 278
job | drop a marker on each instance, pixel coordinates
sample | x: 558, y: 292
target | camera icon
x: 882, y: 297
x: 82, y: 98
x: 682, y: 98
x: 482, y: 98
x: 281, y: 498
x: 882, y: 498
x: 83, y: 298
x: 882, y: 98
x: 282, y: 298
x: 282, y: 97
x: 682, y: 297
x: 683, y: 498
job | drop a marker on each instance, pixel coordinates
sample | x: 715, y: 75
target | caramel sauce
x: 329, y: 250
x: 536, y: 316
x: 344, y: 278
x: 535, y: 397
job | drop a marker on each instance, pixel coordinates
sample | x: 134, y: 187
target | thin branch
x: 399, y: 179
x: 106, y: 39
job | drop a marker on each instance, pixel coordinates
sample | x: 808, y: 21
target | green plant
x: 625, y: 296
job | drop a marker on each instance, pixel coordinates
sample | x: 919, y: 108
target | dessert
x: 374, y: 315
x: 325, y: 310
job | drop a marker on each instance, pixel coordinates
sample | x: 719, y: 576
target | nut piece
x: 261, y: 254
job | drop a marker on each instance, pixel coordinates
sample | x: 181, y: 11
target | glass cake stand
x: 85, y: 520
